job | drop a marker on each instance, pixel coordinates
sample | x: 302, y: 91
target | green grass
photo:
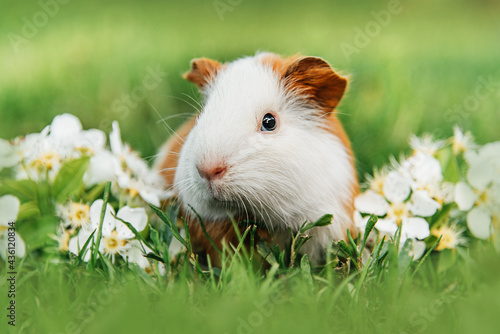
x: 429, y: 58
x: 67, y: 298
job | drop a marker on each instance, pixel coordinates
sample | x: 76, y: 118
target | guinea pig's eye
x: 268, y: 123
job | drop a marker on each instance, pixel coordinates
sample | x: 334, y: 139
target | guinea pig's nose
x: 212, y: 172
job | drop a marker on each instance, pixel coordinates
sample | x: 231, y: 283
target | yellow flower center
x: 450, y: 238
x: 398, y: 211
x: 79, y: 215
x: 483, y: 198
x: 85, y: 150
x: 133, y: 192
x: 458, y: 147
x: 47, y: 160
x: 113, y: 244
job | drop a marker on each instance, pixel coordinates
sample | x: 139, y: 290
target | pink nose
x: 213, y: 172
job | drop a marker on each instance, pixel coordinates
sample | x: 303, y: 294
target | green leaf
x: 424, y: 258
x: 172, y: 226
x: 25, y: 190
x: 370, y: 224
x: 28, y: 210
x: 323, y: 221
x: 83, y: 250
x: 38, y: 233
x: 344, y: 247
x: 405, y: 257
x: 136, y: 233
x: 354, y: 248
x: 69, y: 179
x: 210, y: 240
x: 154, y: 257
x: 93, y: 257
x: 305, y: 267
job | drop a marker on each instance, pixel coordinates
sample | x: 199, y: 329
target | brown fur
x: 310, y: 76
x: 203, y: 71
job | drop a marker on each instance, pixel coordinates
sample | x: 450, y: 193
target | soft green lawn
x: 434, y: 65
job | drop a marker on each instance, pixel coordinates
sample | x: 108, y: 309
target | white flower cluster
x: 40, y: 156
x: 409, y: 193
x: 479, y: 194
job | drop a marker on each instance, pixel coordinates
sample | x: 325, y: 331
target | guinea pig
x: 268, y: 146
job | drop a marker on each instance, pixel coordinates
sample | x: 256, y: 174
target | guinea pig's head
x: 266, y: 144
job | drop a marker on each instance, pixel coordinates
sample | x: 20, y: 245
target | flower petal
x: 415, y: 227
x: 479, y: 223
x: 396, y: 187
x: 422, y: 204
x: 65, y: 125
x: 8, y: 156
x: 101, y: 169
x: 464, y: 196
x: 150, y: 197
x: 371, y: 202
x: 115, y: 140
x: 134, y: 254
x: 176, y: 246
x: 418, y: 249
x: 109, y: 222
x: 135, y: 216
x: 491, y: 151
x: 386, y: 226
x: 481, y: 173
x: 9, y: 208
x: 425, y: 169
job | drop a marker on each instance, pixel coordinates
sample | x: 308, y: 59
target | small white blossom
x: 116, y: 236
x: 44, y: 153
x: 480, y: 195
x: 462, y: 142
x: 133, y: 174
x: 74, y: 215
x: 426, y: 144
x: 451, y: 237
x: 8, y: 155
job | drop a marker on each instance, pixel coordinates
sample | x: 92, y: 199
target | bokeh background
x: 425, y: 67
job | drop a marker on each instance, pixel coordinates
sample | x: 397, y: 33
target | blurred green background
x: 83, y: 57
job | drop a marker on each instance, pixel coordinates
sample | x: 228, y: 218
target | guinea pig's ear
x: 314, y: 78
x: 203, y: 71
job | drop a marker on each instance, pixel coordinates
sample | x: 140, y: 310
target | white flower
x: 451, y: 237
x: 115, y: 235
x: 75, y: 215
x: 462, y: 142
x: 398, y: 208
x: 102, y: 168
x: 62, y: 237
x: 426, y: 144
x: 425, y: 173
x: 9, y: 208
x: 376, y: 182
x: 133, y: 175
x: 8, y: 155
x: 481, y: 193
x: 64, y: 139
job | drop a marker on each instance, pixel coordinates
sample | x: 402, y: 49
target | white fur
x: 283, y: 178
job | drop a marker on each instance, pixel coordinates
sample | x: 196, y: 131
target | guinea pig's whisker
x: 194, y: 100
x: 167, y: 127
x: 166, y: 118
